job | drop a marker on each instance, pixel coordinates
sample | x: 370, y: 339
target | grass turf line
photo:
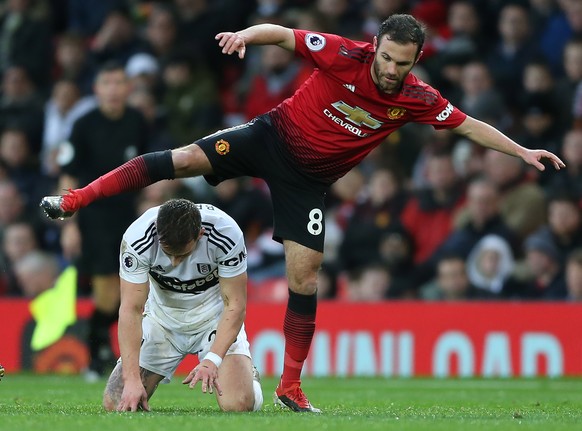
x: 67, y: 403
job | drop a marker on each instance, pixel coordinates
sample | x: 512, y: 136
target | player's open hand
x: 231, y: 43
x: 534, y: 157
x: 207, y: 373
x: 133, y: 398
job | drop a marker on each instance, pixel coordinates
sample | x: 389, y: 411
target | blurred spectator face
x: 463, y: 19
x: 190, y: 8
x: 383, y: 186
x: 349, y: 186
x: 514, y: 24
x: 572, y: 148
x: 112, y: 88
x: 475, y: 79
x: 176, y: 74
x: 384, y: 8
x: 502, y: 168
x: 228, y: 189
x: 11, y: 203
x: 564, y: 217
x: 537, y: 78
x: 14, y: 148
x: 308, y: 20
x: 488, y: 262
x: 19, y: 240
x: 452, y: 278
x: 118, y: 27
x: 275, y: 59
x: 440, y: 172
x: 574, y: 276
x: 372, y: 286
x: 573, y: 60
x: 539, y: 263
x: 144, y: 102
x: 18, y: 6
x: 65, y: 95
x: 142, y: 71
x: 573, y: 9
x: 537, y: 122
x: 482, y: 202
x: 332, y: 8
x: 156, y: 194
x: 395, y: 249
x: 16, y: 85
x: 36, y: 273
x: 70, y: 53
x: 161, y: 30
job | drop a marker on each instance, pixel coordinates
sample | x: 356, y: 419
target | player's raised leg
x: 240, y: 393
x: 302, y: 267
x: 139, y: 172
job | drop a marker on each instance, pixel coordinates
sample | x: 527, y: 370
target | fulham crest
x: 314, y: 41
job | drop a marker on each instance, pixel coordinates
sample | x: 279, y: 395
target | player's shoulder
x: 142, y: 232
x: 212, y: 215
x: 415, y: 88
x: 348, y: 48
x: 221, y: 229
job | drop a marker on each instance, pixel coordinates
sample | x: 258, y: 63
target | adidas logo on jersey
x: 350, y: 87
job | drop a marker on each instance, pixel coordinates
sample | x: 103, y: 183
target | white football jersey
x: 185, y: 298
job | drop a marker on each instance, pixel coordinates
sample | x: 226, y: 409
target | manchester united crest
x: 394, y: 113
x: 222, y: 147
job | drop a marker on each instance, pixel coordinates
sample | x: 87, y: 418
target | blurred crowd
x: 426, y: 216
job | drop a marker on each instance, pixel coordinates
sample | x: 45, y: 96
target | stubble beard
x: 382, y: 85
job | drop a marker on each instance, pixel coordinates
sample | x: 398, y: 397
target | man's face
x: 178, y: 255
x: 112, y: 89
x: 392, y: 63
x: 452, y: 278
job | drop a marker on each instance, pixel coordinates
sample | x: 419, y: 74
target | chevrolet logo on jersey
x: 357, y: 115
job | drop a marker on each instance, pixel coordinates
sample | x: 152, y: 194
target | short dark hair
x: 179, y: 222
x: 111, y: 66
x: 402, y: 29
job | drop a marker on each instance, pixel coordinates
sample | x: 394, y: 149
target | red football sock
x: 298, y: 328
x: 132, y: 175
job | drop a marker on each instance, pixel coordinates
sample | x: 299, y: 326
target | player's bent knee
x: 307, y: 287
x: 243, y: 403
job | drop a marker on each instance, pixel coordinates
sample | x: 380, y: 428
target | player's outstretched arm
x: 234, y: 295
x: 261, y: 34
x: 133, y: 298
x: 488, y: 136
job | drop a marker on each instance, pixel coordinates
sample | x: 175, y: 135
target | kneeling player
x: 183, y: 290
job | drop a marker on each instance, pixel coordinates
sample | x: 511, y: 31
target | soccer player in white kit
x: 183, y: 291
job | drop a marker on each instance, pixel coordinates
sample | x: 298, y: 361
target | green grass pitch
x: 67, y: 403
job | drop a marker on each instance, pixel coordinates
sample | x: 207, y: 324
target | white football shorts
x: 162, y: 350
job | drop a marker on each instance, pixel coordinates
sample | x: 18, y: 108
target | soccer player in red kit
x: 358, y: 94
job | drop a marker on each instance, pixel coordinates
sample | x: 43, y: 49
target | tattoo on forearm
x: 225, y: 300
x: 114, y: 387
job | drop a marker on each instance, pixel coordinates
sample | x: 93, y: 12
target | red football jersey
x: 338, y: 115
